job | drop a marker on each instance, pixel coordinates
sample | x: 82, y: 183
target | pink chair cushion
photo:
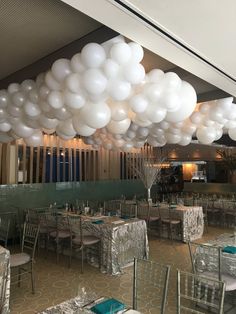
x: 19, y: 259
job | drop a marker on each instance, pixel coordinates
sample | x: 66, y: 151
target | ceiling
x: 36, y: 33
x: 34, y: 30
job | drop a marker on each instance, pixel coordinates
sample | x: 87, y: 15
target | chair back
x: 143, y: 211
x: 112, y: 206
x: 76, y: 225
x: 4, y: 229
x: 129, y: 210
x: 199, y: 294
x: 205, y: 258
x: 30, y: 237
x: 152, y: 277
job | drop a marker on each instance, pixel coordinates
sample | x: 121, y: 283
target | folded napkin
x: 229, y: 249
x: 108, y: 306
x: 97, y: 222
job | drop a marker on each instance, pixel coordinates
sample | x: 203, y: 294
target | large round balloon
x: 118, y: 127
x: 36, y: 139
x: 206, y: 135
x: 81, y: 128
x: 188, y: 100
x: 96, y: 115
x: 93, y: 55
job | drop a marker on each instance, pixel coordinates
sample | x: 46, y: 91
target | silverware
x: 92, y: 302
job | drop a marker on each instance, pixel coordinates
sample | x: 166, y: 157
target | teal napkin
x: 229, y: 249
x: 106, y: 306
x: 97, y: 222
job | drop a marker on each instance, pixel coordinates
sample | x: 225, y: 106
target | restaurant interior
x: 117, y: 157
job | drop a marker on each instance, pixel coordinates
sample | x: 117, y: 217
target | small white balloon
x: 111, y: 68
x: 48, y: 131
x: 155, y: 113
x: 5, y: 126
x: 154, y: 92
x: 14, y: 87
x: 155, y: 76
x: 143, y: 132
x: 230, y: 124
x: 4, y: 115
x: 27, y: 85
x: 185, y: 140
x: 196, y: 117
x: 77, y: 65
x: 66, y: 128
x: 206, y: 135
x: 56, y: 99
x: 73, y: 82
x: 121, y: 53
x: 51, y: 82
x: 119, y: 90
x: 119, y: 110
x: 134, y: 73
x: 47, y: 122
x: 13, y: 111
x: 60, y: 114
x: 81, y: 128
x: 18, y: 98
x: 32, y: 109
x: 172, y: 138
x: 136, y: 52
x: 60, y: 69
x: 93, y: 55
x: 4, y: 97
x: 171, y: 81
x: 138, y: 103
x: 118, y: 127
x: 22, y: 130
x: 94, y: 81
x: 232, y: 133
x: 74, y: 100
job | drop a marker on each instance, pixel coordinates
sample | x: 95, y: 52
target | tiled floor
x: 56, y: 283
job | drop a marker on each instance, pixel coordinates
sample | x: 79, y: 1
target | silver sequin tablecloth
x: 5, y: 268
x: 122, y: 240
x: 192, y: 221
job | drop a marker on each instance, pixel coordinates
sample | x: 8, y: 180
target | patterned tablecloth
x: 5, y: 269
x: 77, y: 306
x: 192, y: 221
x: 228, y: 262
x: 122, y: 240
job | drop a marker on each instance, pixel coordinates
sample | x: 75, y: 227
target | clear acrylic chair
x: 207, y: 261
x: 24, y: 260
x: 81, y: 240
x: 150, y: 279
x: 170, y: 222
x: 150, y: 214
x: 199, y: 294
x: 128, y: 210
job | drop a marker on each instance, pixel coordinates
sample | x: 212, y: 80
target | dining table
x: 192, y: 220
x: 5, y: 269
x: 122, y: 239
x: 80, y: 305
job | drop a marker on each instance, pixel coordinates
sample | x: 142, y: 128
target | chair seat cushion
x: 87, y: 240
x: 19, y: 259
x: 62, y: 234
x: 230, y: 281
x: 150, y: 218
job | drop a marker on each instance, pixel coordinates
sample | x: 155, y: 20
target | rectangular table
x: 122, y: 240
x: 192, y: 221
x: 5, y: 268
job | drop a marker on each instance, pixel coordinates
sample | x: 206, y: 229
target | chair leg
x: 32, y: 278
x: 57, y: 249
x: 19, y: 277
x: 82, y: 260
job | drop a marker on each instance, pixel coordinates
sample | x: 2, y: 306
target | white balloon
x: 155, y: 76
x: 73, y: 82
x: 27, y: 85
x: 185, y: 140
x: 77, y: 65
x: 111, y: 68
x: 155, y: 113
x: 56, y: 99
x: 119, y: 110
x: 196, y: 117
x: 44, y: 106
x: 189, y: 128
x: 121, y: 53
x: 22, y: 130
x: 174, y: 130
x: 51, y: 82
x: 138, y: 103
x: 66, y: 128
x: 14, y: 87
x: 127, y: 146
x: 119, y: 90
x: 206, y: 135
x: 109, y: 43
x: 170, y: 101
x: 131, y: 134
x: 230, y: 124
x: 5, y: 126
x: 204, y: 108
x: 143, y: 132
x: 138, y: 143
x: 171, y: 81
x: 96, y: 115
x: 3, y: 114
x: 32, y: 123
x: 81, y: 128
x: 98, y: 98
x: 134, y: 73
x: 188, y: 98
x: 208, y: 122
x: 18, y: 99
x: 108, y: 145
x: 134, y: 127
x: 47, y: 122
x: 232, y: 133
x: 36, y: 139
x: 74, y: 100
x: 44, y: 92
x: 225, y: 103
x: 60, y: 69
x: 219, y: 133
x: 3, y: 98
x: 94, y: 81
x: 164, y: 125
x: 118, y: 127
x: 31, y: 109
x: 33, y: 95
x: 14, y: 111
x: 172, y: 138
x: 154, y: 92
x: 216, y: 114
x: 48, y: 131
x: 93, y: 55
x: 136, y: 52
x: 60, y: 114
x: 119, y: 143
x: 5, y: 138
x: 40, y: 80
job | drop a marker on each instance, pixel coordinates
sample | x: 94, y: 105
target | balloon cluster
x: 104, y: 95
